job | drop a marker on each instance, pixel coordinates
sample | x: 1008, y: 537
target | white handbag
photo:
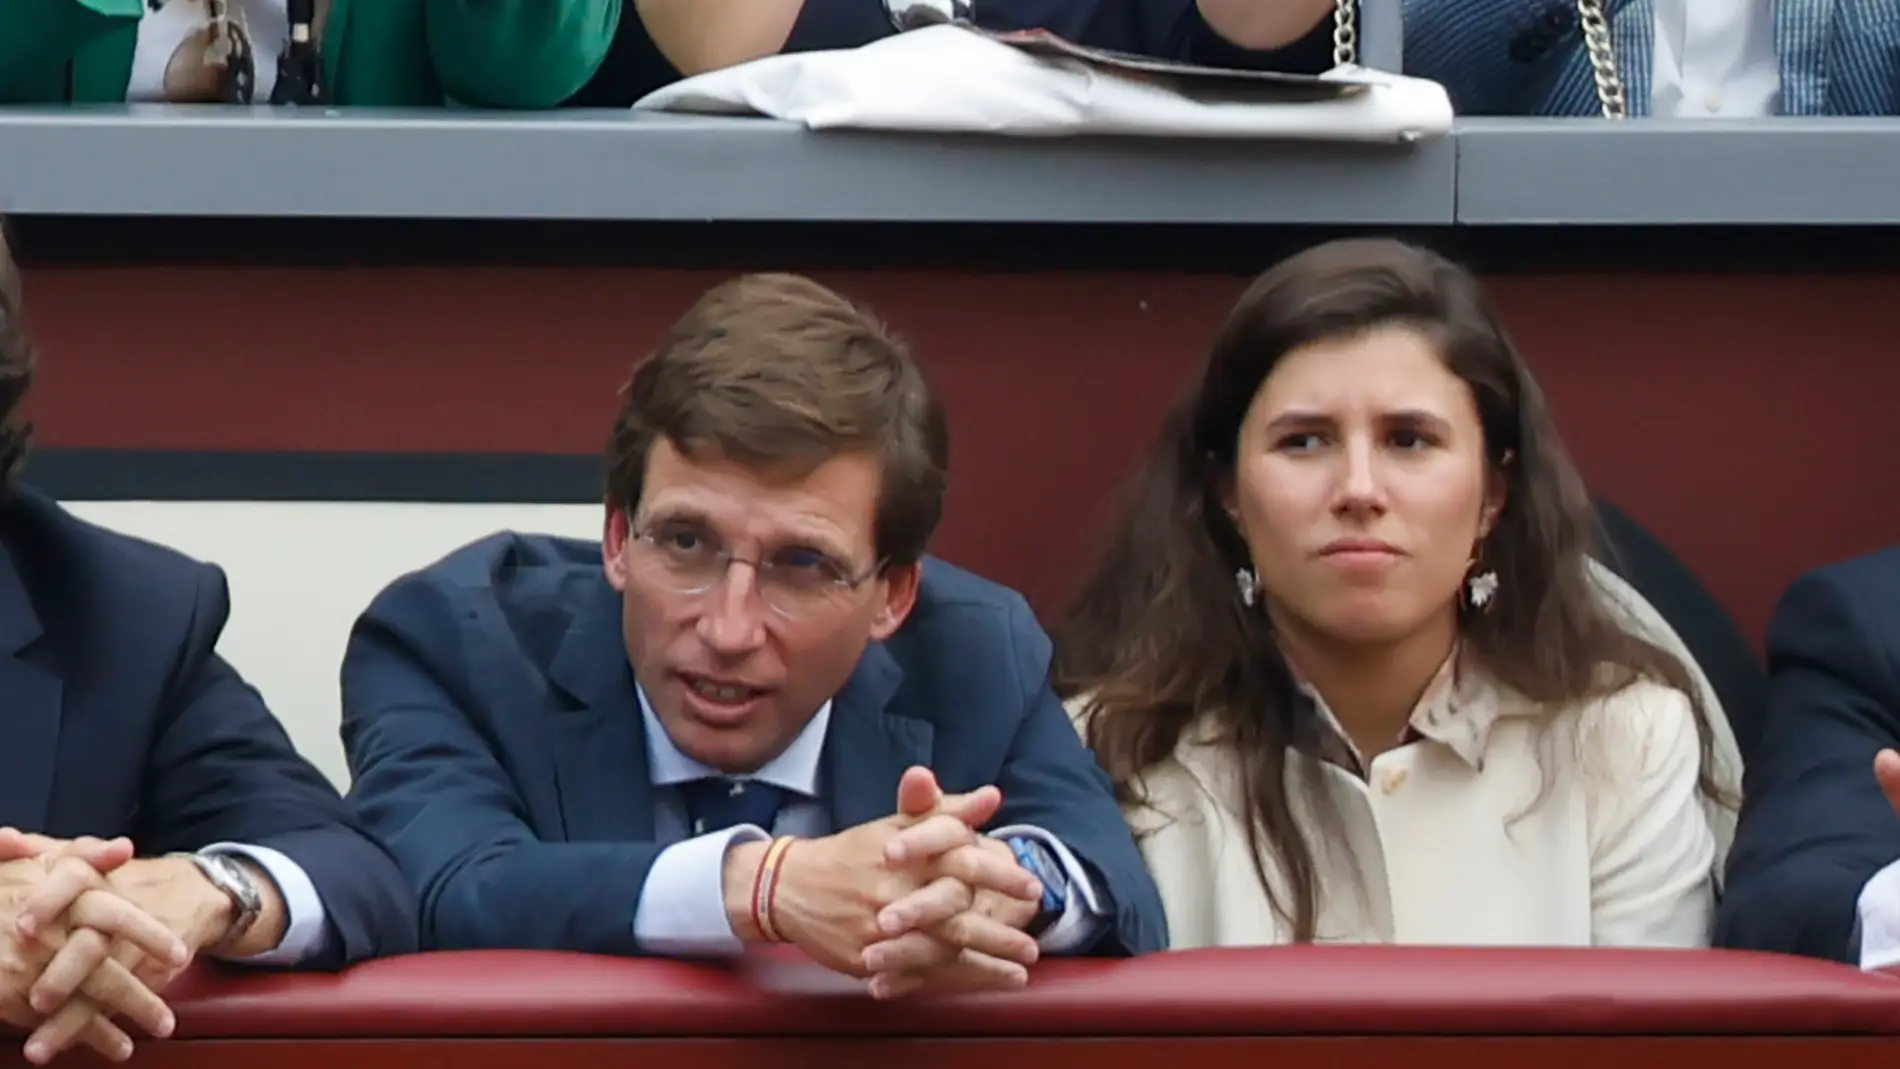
x: 950, y: 78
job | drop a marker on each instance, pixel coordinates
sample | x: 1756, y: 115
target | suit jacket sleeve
x: 519, y: 53
x: 428, y: 781
x: 1815, y: 826
x: 1052, y: 781
x: 221, y: 769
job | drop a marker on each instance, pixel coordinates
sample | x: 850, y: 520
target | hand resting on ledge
x: 1230, y: 991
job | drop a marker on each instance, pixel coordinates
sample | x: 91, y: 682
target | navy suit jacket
x: 1815, y: 826
x: 497, y: 746
x: 118, y: 718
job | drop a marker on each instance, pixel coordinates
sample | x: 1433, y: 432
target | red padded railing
x: 1367, y: 991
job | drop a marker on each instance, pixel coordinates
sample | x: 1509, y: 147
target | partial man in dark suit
x: 1815, y: 869
x: 156, y: 810
x: 733, y: 721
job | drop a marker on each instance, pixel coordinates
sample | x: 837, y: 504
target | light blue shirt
x: 682, y: 909
x: 303, y: 908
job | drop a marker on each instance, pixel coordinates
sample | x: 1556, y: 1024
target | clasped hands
x: 914, y: 902
x: 89, y: 934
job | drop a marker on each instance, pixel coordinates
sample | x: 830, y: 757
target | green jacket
x: 392, y: 53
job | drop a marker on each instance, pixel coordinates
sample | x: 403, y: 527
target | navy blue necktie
x: 718, y: 802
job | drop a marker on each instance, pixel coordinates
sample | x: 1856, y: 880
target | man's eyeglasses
x: 794, y: 581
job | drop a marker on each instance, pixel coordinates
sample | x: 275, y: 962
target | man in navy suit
x: 1815, y: 869
x: 120, y: 720
x: 734, y: 719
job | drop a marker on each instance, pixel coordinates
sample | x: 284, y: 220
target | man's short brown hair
x: 777, y: 372
x: 16, y: 368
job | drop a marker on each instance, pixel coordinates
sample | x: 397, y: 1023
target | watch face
x: 1040, y: 863
x: 916, y: 14
x: 233, y: 880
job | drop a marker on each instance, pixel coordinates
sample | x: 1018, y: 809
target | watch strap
x: 1039, y: 861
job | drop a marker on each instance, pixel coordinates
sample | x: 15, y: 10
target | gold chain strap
x: 1345, y: 32
x: 1596, y: 40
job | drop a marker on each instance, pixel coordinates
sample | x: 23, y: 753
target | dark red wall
x: 1751, y: 422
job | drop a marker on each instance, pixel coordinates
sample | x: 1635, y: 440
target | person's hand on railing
x: 828, y: 896
x: 71, y: 949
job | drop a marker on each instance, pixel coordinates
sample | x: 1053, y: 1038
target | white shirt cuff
x: 682, y: 908
x: 303, y: 908
x: 1880, y: 919
x: 1082, y: 914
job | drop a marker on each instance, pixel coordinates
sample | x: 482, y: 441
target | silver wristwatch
x: 236, y: 881
x: 908, y: 15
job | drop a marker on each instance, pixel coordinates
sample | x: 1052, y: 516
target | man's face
x: 748, y: 600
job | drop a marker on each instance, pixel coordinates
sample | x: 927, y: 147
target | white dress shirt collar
x: 794, y: 769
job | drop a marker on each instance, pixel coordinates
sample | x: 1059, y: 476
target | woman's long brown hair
x: 1159, y: 640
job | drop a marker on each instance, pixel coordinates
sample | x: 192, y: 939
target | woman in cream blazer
x: 1350, y: 666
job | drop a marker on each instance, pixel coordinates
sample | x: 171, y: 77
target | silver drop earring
x: 1481, y: 588
x: 1249, y: 585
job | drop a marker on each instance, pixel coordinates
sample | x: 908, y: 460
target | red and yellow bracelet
x: 765, y: 888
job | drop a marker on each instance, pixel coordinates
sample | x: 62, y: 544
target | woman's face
x: 1361, y: 488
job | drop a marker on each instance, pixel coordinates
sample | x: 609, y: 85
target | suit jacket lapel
x: 30, y: 708
x: 868, y: 747
x: 600, y: 749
